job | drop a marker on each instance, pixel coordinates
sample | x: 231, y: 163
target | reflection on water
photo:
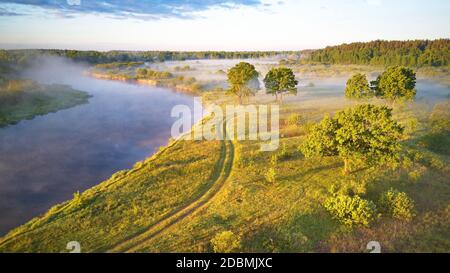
x: 45, y: 160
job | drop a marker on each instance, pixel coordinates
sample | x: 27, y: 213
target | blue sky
x: 216, y: 25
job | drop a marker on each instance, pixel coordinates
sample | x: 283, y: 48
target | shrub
x: 77, y: 199
x: 436, y: 142
x: 440, y: 117
x: 415, y: 175
x: 410, y: 126
x: 351, y: 211
x: 294, y: 120
x: 138, y: 165
x: 226, y: 242
x: 284, y: 153
x: 397, y: 204
x: 437, y: 163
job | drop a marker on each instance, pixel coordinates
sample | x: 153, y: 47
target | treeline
x: 98, y: 57
x: 118, y: 65
x: 415, y: 53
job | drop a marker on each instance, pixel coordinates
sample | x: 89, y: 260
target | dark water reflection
x: 45, y: 160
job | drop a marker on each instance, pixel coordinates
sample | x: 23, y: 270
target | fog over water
x: 45, y: 160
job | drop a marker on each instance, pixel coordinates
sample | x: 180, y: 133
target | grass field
x: 288, y: 216
x: 179, y: 199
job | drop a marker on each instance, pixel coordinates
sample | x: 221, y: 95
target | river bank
x: 72, y: 150
x: 172, y: 84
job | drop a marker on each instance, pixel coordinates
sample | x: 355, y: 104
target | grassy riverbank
x: 25, y: 99
x: 136, y: 72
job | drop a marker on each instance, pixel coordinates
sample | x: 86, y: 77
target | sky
x: 216, y: 25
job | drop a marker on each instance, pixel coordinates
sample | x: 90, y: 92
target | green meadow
x: 190, y: 192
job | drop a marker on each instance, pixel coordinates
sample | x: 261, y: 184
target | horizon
x: 233, y: 25
x: 162, y: 50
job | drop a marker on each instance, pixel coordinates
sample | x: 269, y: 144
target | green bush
x: 284, y: 153
x: 397, y: 204
x: 77, y: 199
x: 351, y: 211
x: 226, y: 242
x: 440, y: 117
x: 274, y: 160
x: 436, y: 142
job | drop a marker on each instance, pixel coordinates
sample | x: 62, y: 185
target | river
x: 45, y: 160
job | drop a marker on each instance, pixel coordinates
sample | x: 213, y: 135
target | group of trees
x: 279, y: 81
x: 415, y: 53
x: 365, y: 133
x: 244, y: 82
x: 394, y: 84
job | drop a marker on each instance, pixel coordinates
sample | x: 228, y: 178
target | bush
x: 77, y: 199
x: 415, y: 175
x: 284, y: 153
x: 226, y: 242
x: 410, y: 126
x: 440, y: 117
x: 274, y: 160
x: 397, y: 204
x: 294, y: 120
x: 436, y: 142
x: 351, y: 211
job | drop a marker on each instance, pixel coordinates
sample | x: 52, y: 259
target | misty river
x: 45, y: 160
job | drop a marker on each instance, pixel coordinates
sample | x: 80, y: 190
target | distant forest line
x: 414, y: 53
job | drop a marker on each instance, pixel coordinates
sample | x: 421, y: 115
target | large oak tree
x: 365, y: 132
x: 395, y: 84
x: 358, y: 87
x: 279, y: 81
x: 243, y: 80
